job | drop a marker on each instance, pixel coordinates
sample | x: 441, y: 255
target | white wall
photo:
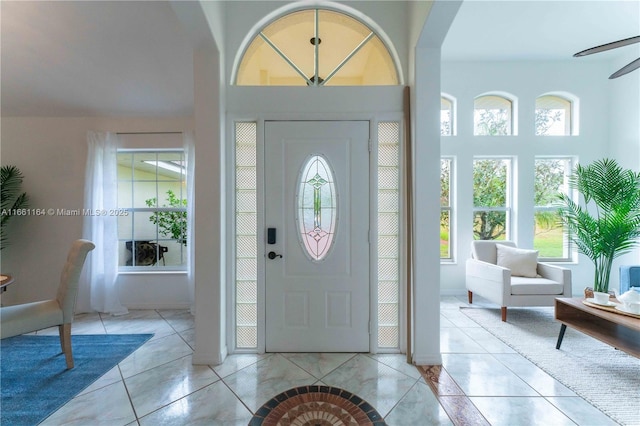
x: 624, y: 132
x: 425, y: 127
x: 210, y: 213
x: 624, y: 114
x: 527, y: 80
x: 51, y: 152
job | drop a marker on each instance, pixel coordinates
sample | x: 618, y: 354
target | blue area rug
x: 35, y: 381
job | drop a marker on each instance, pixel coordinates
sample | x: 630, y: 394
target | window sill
x: 155, y: 272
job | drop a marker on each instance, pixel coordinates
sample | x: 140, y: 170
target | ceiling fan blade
x: 626, y: 69
x: 608, y: 46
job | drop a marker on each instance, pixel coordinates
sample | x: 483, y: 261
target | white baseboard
x: 209, y: 358
x: 159, y: 306
x: 427, y: 359
x: 453, y: 292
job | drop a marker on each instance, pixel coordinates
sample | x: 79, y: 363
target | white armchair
x: 34, y: 316
x: 508, y: 276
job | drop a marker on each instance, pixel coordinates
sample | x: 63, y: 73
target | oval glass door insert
x: 317, y: 207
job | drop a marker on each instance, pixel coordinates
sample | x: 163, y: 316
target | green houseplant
x: 171, y: 223
x: 12, y: 199
x: 608, y: 225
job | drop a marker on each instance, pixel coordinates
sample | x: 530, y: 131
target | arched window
x: 316, y: 47
x: 492, y: 116
x: 553, y: 116
x: 447, y: 116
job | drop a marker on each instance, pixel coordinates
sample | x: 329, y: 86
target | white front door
x: 317, y: 206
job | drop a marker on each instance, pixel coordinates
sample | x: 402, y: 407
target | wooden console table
x: 620, y: 331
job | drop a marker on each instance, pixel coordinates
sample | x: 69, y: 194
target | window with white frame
x: 553, y: 116
x: 446, y: 213
x: 550, y: 236
x: 152, y: 191
x: 447, y: 113
x: 492, y: 182
x: 492, y: 116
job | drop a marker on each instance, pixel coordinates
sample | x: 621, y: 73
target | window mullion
x: 158, y: 205
x: 349, y: 56
x: 316, y: 50
x: 286, y: 59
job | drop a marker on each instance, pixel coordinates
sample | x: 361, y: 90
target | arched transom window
x: 492, y: 116
x: 553, y: 116
x: 316, y: 47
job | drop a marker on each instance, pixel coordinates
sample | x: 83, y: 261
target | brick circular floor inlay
x: 316, y: 406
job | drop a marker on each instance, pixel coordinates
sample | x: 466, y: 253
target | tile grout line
x: 464, y: 414
x: 237, y: 396
x: 141, y: 372
x: 309, y: 373
x: 402, y: 397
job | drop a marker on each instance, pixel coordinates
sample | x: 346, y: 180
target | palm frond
x: 11, y: 199
x: 613, y: 228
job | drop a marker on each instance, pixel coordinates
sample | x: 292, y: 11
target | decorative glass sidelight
x: 389, y: 229
x: 317, y: 207
x: 246, y: 236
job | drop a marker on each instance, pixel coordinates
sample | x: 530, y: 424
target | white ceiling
x: 540, y: 30
x: 51, y: 52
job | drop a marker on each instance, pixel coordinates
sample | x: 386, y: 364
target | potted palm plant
x: 608, y: 224
x: 13, y: 200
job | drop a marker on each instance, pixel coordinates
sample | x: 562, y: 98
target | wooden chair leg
x: 470, y: 296
x: 61, y: 335
x: 65, y: 343
x: 504, y: 313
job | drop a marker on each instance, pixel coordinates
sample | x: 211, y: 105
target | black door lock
x: 271, y: 235
x: 273, y: 255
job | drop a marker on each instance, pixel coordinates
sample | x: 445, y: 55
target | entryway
x: 317, y: 214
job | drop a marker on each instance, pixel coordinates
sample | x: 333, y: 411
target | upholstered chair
x: 629, y: 277
x: 29, y: 317
x: 508, y: 276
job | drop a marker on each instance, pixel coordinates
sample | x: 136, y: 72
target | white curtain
x: 101, y: 194
x: 189, y: 152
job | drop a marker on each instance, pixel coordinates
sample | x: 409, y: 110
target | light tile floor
x: 158, y: 385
